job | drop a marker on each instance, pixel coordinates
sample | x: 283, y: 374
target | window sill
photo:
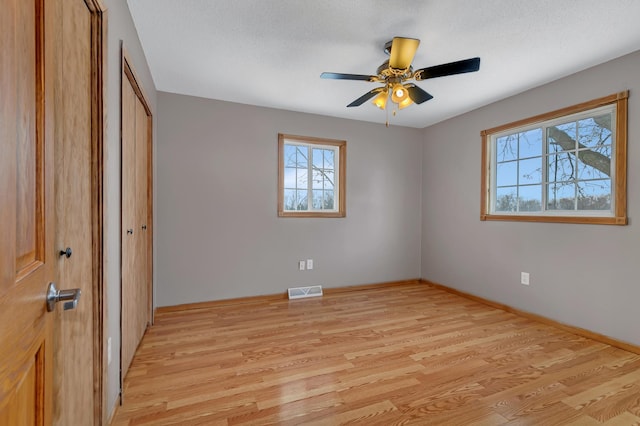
x: 591, y: 220
x: 312, y: 214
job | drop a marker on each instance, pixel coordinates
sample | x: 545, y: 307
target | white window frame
x: 615, y: 104
x: 339, y: 148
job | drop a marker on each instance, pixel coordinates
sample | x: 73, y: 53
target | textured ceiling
x: 271, y: 52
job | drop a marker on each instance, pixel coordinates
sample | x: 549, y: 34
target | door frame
x: 128, y: 74
x: 98, y: 130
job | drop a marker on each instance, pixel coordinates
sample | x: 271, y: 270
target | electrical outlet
x: 301, y: 265
x: 524, y: 278
x: 309, y: 264
x: 108, y: 350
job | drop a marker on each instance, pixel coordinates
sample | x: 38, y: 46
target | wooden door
x: 130, y: 288
x: 142, y: 214
x: 50, y: 199
x: 136, y: 226
x: 27, y: 225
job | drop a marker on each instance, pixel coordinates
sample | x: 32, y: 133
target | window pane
x: 317, y: 199
x: 329, y: 159
x: 605, y: 150
x: 506, y: 148
x: 289, y: 177
x: 553, y: 147
x: 301, y: 178
x: 507, y: 173
x: 594, y: 165
x: 301, y: 200
x: 561, y: 137
x: 561, y: 196
x: 317, y: 158
x: 289, y: 199
x: 301, y: 156
x: 562, y: 167
x: 328, y: 200
x: 318, y: 179
x: 530, y: 198
x: 568, y: 128
x: 595, y: 131
x: 594, y: 195
x: 530, y: 171
x: 329, y: 179
x: 530, y: 143
x: 506, y: 200
x: 289, y: 156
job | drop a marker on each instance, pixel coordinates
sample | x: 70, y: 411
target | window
x: 311, y: 177
x: 567, y: 166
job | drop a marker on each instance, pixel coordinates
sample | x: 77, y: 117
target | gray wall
x: 583, y: 275
x: 217, y: 228
x: 120, y: 30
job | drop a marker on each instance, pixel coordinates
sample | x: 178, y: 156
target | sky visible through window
x: 566, y: 166
x: 309, y: 177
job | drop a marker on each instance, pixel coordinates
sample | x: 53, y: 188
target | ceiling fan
x: 395, y: 72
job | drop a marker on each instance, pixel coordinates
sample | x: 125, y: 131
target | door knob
x: 66, y: 252
x: 144, y: 227
x: 70, y: 297
x: 130, y: 231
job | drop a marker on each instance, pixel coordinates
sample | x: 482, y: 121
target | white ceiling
x: 271, y: 52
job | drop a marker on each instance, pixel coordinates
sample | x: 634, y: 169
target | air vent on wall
x: 301, y: 292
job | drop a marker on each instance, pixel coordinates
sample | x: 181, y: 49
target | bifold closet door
x: 141, y: 221
x: 134, y: 291
x: 137, y: 257
x: 129, y: 276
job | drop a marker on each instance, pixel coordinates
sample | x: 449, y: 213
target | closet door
x: 130, y: 292
x: 136, y: 219
x: 142, y: 231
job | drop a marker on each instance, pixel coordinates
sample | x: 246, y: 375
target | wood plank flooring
x: 409, y: 355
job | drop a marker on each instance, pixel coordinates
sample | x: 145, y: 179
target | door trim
x: 98, y: 123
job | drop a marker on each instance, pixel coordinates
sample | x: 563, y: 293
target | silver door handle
x: 69, y: 297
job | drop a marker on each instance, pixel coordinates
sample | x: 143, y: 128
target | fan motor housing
x: 385, y: 72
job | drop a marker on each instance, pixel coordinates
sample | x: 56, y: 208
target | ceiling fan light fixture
x: 381, y: 99
x: 399, y: 93
x: 405, y: 103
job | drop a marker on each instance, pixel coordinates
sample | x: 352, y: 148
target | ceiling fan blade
x: 402, y: 52
x: 416, y: 94
x: 458, y: 67
x: 339, y: 76
x: 364, y: 98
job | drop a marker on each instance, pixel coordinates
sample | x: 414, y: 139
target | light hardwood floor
x: 411, y: 354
